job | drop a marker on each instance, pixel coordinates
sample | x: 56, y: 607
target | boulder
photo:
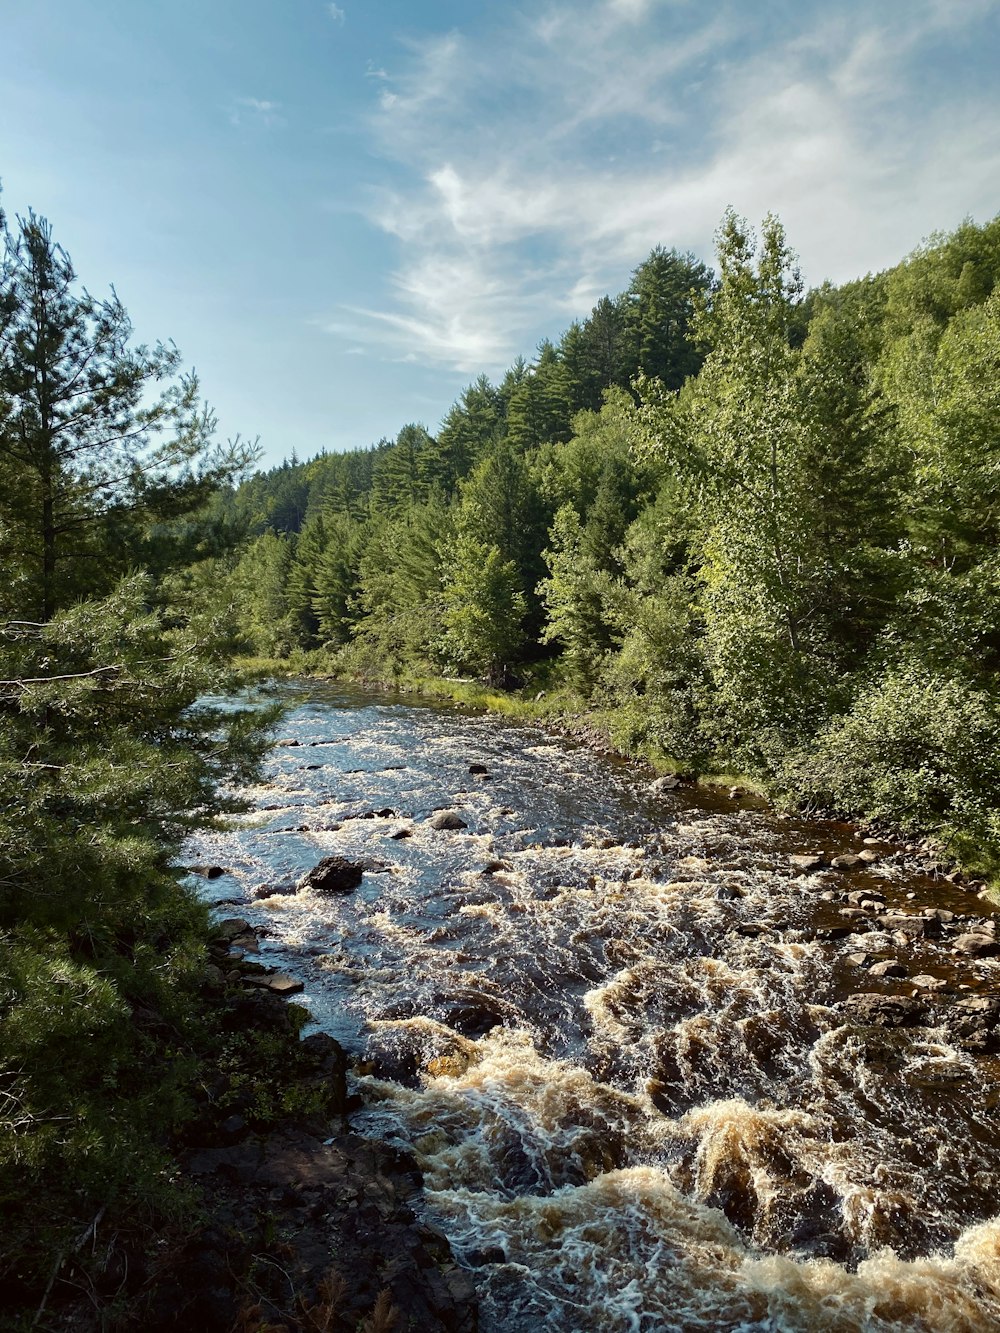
x: 334, y: 874
x: 903, y: 922
x: 278, y: 983
x: 230, y: 928
x: 848, y: 861
x: 669, y: 782
x: 888, y: 968
x: 884, y: 1011
x: 976, y: 945
x: 924, y: 981
x: 479, y: 770
x: 805, y: 862
x: 447, y: 819
x: 208, y: 872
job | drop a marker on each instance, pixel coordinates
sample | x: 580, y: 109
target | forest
x: 747, y: 527
x: 751, y: 528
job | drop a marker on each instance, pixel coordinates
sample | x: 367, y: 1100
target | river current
x: 611, y: 1026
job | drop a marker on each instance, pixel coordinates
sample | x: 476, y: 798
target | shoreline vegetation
x: 723, y: 519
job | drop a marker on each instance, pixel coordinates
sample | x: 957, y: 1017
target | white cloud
x: 532, y: 172
x: 336, y: 13
x: 255, y: 109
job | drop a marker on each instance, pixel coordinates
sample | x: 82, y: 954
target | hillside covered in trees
x: 755, y: 527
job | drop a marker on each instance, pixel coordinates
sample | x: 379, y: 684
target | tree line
x: 754, y: 525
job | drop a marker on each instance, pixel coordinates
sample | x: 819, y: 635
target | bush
x: 919, y: 748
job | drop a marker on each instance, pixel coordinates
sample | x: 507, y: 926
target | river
x: 614, y: 1028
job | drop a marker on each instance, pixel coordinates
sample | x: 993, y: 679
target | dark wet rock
x: 491, y: 867
x: 447, y: 819
x: 911, y: 926
x: 889, y: 1011
x: 479, y: 770
x: 848, y: 861
x: 277, y: 983
x: 976, y: 945
x: 972, y: 1023
x: 806, y: 862
x: 334, y: 874
x: 888, y: 968
x: 841, y: 932
x: 208, y: 872
x: 291, y: 1213
x: 331, y: 1069
x: 273, y: 891
x: 231, y: 928
x: 248, y: 942
x: 484, y: 1255
x: 398, y: 834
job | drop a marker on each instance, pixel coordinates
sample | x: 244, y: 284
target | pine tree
x: 84, y: 450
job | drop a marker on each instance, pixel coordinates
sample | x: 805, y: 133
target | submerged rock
x: 885, y: 1011
x: 334, y: 874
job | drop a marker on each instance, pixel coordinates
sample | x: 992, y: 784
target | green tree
x: 483, y: 609
x: 88, y: 446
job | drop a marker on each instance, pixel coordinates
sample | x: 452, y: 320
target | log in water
x: 633, y: 1046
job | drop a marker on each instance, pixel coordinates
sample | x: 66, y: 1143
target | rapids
x: 610, y: 1026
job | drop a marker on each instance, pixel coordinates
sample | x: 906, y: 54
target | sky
x: 343, y: 213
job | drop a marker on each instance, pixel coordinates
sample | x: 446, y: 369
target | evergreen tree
x: 84, y: 451
x: 483, y: 608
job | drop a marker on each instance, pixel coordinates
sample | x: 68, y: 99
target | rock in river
x: 334, y: 874
x: 447, y: 819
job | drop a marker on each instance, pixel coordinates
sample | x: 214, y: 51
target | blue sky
x: 342, y: 213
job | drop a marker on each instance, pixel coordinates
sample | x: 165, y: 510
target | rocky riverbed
x: 660, y: 1058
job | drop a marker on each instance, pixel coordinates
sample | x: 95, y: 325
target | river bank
x: 286, y: 1219
x: 562, y: 712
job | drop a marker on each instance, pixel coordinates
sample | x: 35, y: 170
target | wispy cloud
x: 255, y: 109
x: 532, y: 168
x: 336, y: 13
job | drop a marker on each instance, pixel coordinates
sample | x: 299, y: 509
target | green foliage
x: 115, y: 742
x: 90, y: 450
x: 727, y: 514
x: 483, y: 608
x: 920, y: 748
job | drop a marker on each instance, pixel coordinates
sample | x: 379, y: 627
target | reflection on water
x: 610, y: 1024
